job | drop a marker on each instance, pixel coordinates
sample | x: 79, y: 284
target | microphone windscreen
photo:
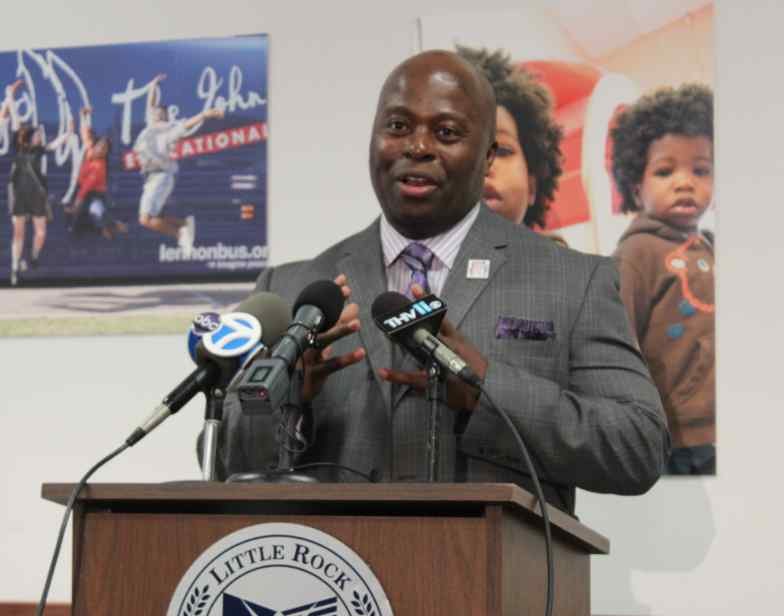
x: 324, y: 295
x: 271, y: 311
x: 387, y: 303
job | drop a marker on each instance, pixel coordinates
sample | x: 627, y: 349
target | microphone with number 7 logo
x: 223, y: 344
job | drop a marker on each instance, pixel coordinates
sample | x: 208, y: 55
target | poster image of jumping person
x: 134, y: 177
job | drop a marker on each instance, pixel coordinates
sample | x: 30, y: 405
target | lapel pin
x: 478, y: 269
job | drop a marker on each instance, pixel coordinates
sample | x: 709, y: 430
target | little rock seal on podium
x: 275, y: 569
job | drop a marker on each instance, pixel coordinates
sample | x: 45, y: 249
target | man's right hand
x: 214, y: 113
x: 318, y: 364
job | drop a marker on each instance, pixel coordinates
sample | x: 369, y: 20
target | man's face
x: 101, y: 148
x: 430, y: 147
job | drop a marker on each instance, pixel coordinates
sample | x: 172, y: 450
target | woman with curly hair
x: 663, y: 167
x: 523, y: 178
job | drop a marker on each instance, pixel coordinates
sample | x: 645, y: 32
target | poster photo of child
x: 604, y: 128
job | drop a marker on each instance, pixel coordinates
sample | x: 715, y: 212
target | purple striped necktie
x: 418, y: 258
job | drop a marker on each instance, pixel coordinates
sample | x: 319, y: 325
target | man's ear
x: 490, y: 156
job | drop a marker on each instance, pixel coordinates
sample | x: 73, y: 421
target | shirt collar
x: 445, y: 246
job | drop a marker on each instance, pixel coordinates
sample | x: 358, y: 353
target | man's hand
x: 318, y: 364
x: 12, y: 88
x: 73, y: 209
x: 459, y: 395
x: 213, y: 113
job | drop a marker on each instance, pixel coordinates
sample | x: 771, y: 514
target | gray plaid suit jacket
x: 582, y: 399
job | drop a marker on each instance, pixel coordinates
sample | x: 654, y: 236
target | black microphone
x: 265, y: 384
x: 237, y: 338
x: 414, y: 325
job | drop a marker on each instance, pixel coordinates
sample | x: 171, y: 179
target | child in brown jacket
x: 663, y: 166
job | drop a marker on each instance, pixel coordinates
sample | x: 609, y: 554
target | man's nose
x: 419, y: 145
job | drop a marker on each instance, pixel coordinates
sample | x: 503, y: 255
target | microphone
x: 202, y: 344
x: 414, y: 325
x: 203, y: 323
x: 266, y: 382
x: 223, y: 347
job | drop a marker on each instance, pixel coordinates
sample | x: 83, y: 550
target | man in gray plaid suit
x: 541, y: 324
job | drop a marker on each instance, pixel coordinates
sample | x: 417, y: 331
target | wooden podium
x: 437, y: 549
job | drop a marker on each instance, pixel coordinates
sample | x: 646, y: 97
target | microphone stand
x: 434, y: 421
x: 285, y: 472
x: 213, y: 416
x: 288, y: 443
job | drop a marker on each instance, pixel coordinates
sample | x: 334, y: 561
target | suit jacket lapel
x: 363, y: 264
x: 486, y: 240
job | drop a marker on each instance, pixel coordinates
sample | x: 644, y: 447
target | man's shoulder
x: 293, y: 276
x: 547, y: 252
x: 145, y: 133
x: 176, y: 126
x: 366, y: 239
x: 535, y: 257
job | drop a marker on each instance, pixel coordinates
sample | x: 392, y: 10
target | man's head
x: 24, y: 136
x: 103, y: 145
x: 160, y: 113
x: 432, y: 143
x: 37, y: 137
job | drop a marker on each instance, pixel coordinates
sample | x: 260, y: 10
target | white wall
x: 688, y: 547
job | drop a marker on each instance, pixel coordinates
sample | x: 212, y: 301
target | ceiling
x: 598, y: 27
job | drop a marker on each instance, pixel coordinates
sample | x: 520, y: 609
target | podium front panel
x: 132, y: 563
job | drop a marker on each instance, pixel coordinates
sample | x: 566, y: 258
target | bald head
x: 448, y: 67
x: 433, y: 141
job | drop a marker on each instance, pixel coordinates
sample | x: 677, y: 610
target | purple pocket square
x: 528, y: 329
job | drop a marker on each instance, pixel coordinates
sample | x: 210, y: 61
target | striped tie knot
x: 418, y: 258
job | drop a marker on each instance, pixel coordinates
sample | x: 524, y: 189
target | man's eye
x: 396, y: 126
x: 447, y: 133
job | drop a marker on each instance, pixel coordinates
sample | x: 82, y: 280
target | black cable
x: 539, y: 496
x: 284, y: 435
x: 74, y: 495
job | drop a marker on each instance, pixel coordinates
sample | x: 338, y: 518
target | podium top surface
x: 507, y: 495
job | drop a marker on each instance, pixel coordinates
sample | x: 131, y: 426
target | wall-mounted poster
x: 141, y: 164
x: 605, y: 129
